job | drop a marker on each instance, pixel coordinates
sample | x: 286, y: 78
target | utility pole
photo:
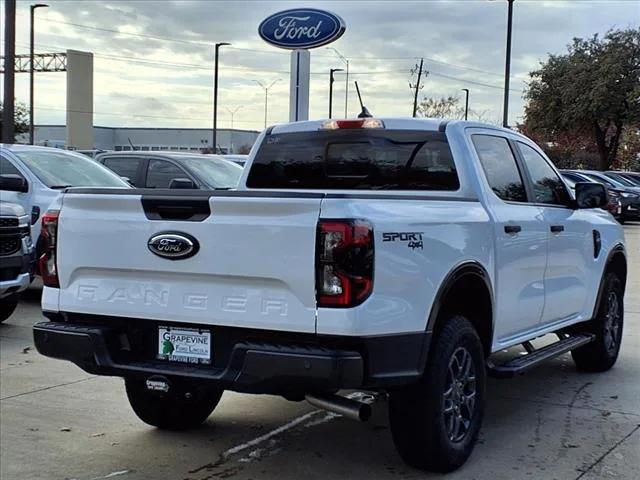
x: 346, y: 81
x: 232, y: 112
x: 9, y: 70
x: 417, y: 69
x: 31, y: 66
x: 507, y: 66
x: 266, y: 96
x: 466, y: 103
x: 215, y: 97
x: 331, y: 80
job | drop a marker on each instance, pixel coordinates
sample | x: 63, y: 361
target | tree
x: 445, y: 107
x: 592, y: 92
x: 20, y: 121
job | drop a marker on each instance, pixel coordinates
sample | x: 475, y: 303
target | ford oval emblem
x: 301, y: 28
x: 173, y: 245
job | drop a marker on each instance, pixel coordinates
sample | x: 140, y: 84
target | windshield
x: 620, y: 179
x: 59, y: 169
x: 355, y: 159
x: 215, y: 172
x: 606, y: 181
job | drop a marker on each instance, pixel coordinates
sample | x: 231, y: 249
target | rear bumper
x: 264, y: 368
x: 285, y: 363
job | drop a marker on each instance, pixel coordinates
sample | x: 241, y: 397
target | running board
x: 534, y: 357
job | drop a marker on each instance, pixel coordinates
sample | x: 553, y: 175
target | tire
x: 601, y: 354
x: 422, y: 417
x: 183, y: 407
x: 7, y: 306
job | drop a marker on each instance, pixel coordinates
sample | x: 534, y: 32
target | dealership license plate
x: 186, y: 345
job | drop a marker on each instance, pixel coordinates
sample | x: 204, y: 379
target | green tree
x: 21, y: 119
x: 592, y: 92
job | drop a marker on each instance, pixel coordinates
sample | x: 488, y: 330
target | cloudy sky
x: 154, y: 59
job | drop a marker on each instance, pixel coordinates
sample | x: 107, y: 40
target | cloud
x: 141, y: 78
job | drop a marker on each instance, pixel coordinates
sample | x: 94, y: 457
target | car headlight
x: 628, y: 195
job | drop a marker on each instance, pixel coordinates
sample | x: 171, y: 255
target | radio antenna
x: 364, y: 113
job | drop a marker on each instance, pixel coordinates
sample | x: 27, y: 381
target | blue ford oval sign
x: 301, y: 28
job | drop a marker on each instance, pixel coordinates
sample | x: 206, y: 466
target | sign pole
x: 299, y: 85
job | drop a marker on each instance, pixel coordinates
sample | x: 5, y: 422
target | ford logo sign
x: 173, y: 245
x: 301, y: 28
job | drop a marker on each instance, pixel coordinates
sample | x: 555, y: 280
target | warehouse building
x: 152, y: 139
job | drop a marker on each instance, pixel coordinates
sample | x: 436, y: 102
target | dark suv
x: 16, y: 256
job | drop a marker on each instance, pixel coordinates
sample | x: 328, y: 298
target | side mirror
x: 13, y: 183
x: 181, y: 184
x: 591, y: 195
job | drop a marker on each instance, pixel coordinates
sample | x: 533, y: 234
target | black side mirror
x: 181, y: 184
x: 13, y: 183
x: 591, y: 195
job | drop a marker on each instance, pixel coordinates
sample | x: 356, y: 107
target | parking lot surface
x: 57, y: 422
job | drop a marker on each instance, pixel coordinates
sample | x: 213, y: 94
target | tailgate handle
x: 189, y: 209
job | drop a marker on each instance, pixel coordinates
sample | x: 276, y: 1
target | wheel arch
x: 471, y: 283
x: 616, y: 262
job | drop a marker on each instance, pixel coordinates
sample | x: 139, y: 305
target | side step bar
x: 534, y: 357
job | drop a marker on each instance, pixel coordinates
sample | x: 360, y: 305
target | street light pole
x: 466, y: 103
x: 232, y: 112
x: 507, y: 66
x: 31, y: 66
x: 346, y: 80
x: 266, y: 96
x: 215, y: 96
x: 9, y: 71
x: 331, y: 80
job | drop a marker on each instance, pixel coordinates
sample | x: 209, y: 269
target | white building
x: 154, y: 139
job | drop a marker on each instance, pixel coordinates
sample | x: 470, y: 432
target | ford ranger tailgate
x: 251, y: 263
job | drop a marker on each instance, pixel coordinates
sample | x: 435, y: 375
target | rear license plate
x: 186, y: 345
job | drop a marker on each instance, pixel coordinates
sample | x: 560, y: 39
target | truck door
x: 520, y: 240
x: 571, y: 253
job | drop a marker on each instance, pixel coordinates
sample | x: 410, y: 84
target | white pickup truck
x: 383, y: 255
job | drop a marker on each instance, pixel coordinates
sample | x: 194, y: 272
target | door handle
x: 512, y: 229
x: 557, y: 228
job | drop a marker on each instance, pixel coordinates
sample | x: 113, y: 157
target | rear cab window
x: 355, y: 159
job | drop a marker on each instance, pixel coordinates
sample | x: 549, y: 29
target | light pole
x: 346, y: 80
x: 507, y: 66
x: 8, y: 105
x: 215, y: 97
x: 266, y: 96
x: 31, y: 67
x: 466, y: 103
x: 331, y: 80
x: 232, y: 112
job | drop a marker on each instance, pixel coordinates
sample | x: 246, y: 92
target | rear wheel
x: 184, y: 406
x: 8, y: 306
x: 601, y: 354
x: 435, y: 424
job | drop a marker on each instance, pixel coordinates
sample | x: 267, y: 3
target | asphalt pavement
x: 58, y: 422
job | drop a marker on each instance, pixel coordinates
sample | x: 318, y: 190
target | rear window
x: 355, y: 159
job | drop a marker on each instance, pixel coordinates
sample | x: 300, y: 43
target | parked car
x: 42, y: 172
x: 629, y: 197
x: 614, y: 205
x: 173, y: 170
x: 16, y: 255
x: 91, y: 153
x: 386, y: 255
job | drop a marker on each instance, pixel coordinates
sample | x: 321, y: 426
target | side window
x: 547, y: 186
x: 160, y: 173
x: 124, y: 166
x: 500, y: 167
x: 8, y: 168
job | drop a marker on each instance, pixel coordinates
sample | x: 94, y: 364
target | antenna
x: 364, y: 113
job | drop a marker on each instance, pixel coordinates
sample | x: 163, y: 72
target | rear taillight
x: 47, y: 262
x: 344, y: 263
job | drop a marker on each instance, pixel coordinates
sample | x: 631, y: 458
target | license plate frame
x: 191, y: 346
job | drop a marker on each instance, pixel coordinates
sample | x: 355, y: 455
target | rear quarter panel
x: 406, y: 280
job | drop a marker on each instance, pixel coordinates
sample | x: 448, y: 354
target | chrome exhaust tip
x: 347, y: 407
